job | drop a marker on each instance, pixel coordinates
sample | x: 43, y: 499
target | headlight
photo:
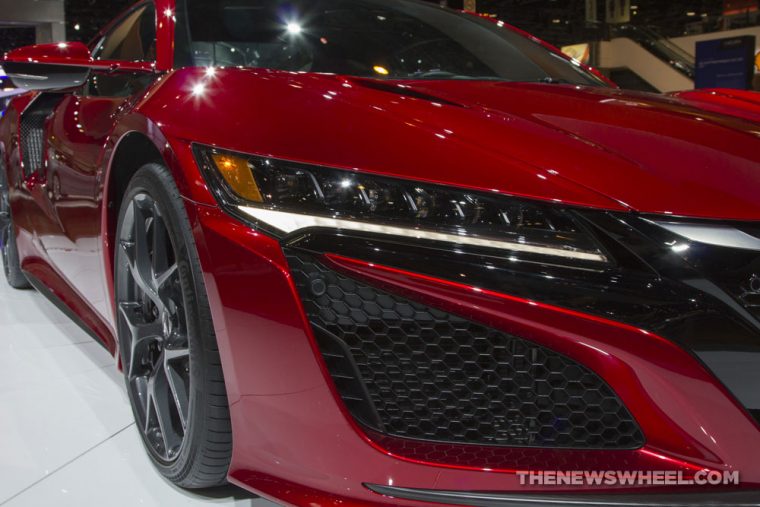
x: 288, y: 197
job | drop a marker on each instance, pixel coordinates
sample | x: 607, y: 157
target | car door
x: 78, y: 131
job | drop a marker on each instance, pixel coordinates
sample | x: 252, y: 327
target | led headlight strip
x: 291, y: 197
x: 293, y: 222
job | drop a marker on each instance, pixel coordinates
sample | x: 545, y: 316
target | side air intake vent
x: 33, y: 132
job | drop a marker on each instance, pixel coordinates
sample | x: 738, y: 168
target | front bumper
x: 295, y: 441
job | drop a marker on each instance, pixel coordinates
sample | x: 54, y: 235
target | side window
x: 133, y: 39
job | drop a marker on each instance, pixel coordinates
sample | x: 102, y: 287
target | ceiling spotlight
x: 77, y: 27
x: 293, y: 28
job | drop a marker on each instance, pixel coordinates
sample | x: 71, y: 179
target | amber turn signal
x: 237, y: 173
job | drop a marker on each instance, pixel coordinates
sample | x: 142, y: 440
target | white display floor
x: 66, y: 430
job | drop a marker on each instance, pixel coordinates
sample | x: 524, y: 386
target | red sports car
x: 367, y: 252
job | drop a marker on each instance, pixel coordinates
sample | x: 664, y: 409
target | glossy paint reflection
x: 593, y: 148
x: 437, y: 130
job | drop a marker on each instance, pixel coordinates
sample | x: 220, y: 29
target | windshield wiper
x: 442, y: 74
x: 553, y: 80
x: 434, y: 73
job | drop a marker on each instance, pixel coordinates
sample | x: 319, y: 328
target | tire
x: 8, y: 250
x: 168, y: 348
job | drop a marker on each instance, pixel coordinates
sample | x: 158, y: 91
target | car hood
x: 741, y: 103
x: 660, y: 154
x: 586, y: 146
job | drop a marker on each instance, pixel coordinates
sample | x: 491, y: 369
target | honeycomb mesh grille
x: 33, y: 132
x: 411, y: 371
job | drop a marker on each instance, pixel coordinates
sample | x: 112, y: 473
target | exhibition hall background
x: 647, y: 45
x: 560, y: 22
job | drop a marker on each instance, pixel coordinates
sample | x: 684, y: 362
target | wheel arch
x: 132, y: 151
x: 135, y: 142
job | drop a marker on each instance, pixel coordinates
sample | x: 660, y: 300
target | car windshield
x: 401, y: 39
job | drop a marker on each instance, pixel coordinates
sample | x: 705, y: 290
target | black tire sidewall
x: 156, y: 181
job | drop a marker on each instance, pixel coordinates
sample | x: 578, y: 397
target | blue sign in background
x: 725, y: 63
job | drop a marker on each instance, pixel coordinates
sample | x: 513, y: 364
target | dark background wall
x: 14, y: 36
x: 84, y: 18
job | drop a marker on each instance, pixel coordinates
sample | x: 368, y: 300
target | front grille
x: 408, y: 370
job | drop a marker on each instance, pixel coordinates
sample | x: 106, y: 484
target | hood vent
x: 403, y: 90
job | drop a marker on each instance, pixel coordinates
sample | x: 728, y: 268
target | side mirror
x: 49, y: 66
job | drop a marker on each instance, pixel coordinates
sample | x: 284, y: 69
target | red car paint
x: 740, y: 103
x: 293, y: 439
x: 65, y: 52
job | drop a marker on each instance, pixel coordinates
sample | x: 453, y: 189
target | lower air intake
x: 411, y: 371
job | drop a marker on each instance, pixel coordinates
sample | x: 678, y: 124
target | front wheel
x: 168, y: 348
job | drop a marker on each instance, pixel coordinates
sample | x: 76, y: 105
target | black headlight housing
x: 288, y: 198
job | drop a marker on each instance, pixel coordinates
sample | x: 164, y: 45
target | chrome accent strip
x: 292, y: 222
x: 475, y: 499
x: 718, y: 235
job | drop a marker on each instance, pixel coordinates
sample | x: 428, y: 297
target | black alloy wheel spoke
x: 141, y: 332
x: 153, y: 320
x: 159, y: 422
x: 174, y: 367
x: 161, y: 272
x: 140, y: 259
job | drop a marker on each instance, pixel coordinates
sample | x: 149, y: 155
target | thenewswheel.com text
x: 627, y: 478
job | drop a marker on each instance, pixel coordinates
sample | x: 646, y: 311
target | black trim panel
x: 475, y: 499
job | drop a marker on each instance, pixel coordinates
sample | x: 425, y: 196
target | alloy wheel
x: 153, y: 328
